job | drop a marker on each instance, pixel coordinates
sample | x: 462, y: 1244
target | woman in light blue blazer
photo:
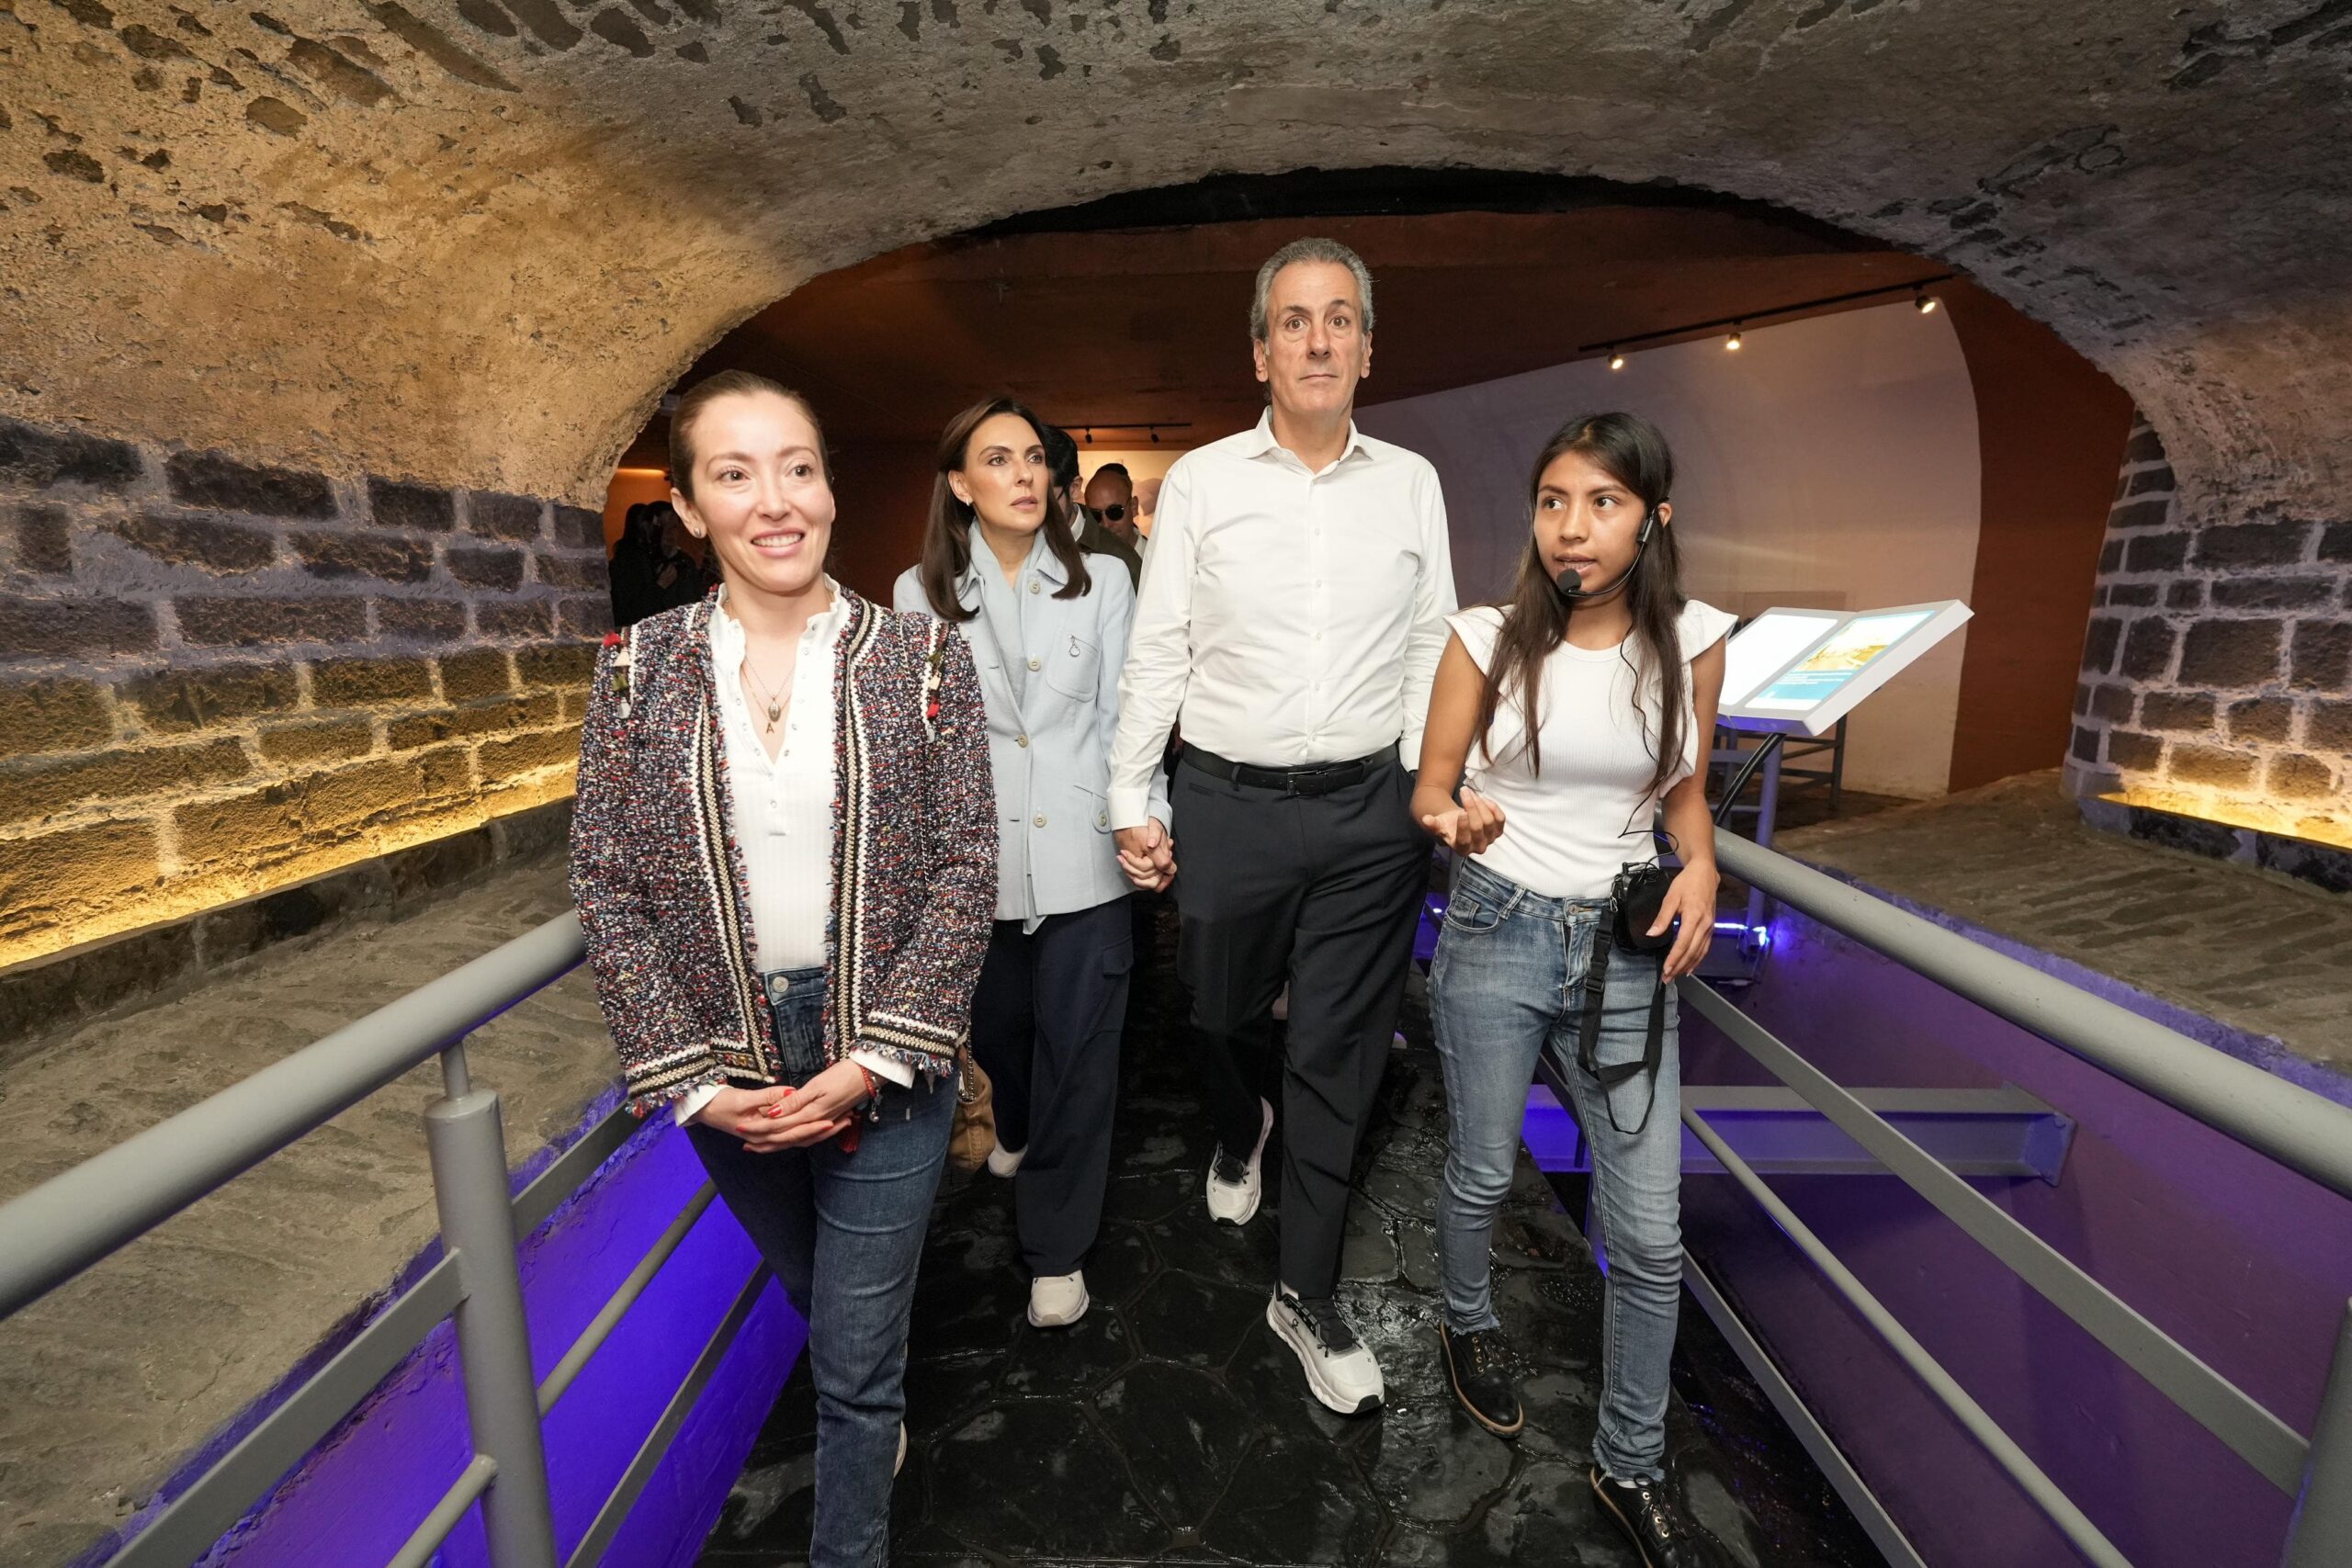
x: 1048, y: 631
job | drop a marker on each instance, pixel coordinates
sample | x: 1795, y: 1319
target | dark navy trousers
x: 1046, y: 1022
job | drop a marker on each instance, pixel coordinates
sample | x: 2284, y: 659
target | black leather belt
x: 1316, y: 778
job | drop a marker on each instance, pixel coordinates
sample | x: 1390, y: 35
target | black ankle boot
x: 1653, y: 1519
x: 1476, y: 1365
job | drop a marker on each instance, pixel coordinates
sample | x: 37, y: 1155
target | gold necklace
x: 773, y: 704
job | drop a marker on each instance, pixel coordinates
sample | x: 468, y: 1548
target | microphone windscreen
x: 1569, y: 581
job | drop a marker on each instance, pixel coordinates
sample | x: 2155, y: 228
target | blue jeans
x: 844, y: 1233
x: 1507, y: 981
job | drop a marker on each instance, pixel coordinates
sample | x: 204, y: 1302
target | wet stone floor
x: 1170, y: 1426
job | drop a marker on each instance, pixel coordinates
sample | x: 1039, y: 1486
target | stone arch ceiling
x: 471, y: 240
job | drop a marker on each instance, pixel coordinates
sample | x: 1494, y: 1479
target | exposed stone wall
x: 217, y: 678
x: 2217, y: 677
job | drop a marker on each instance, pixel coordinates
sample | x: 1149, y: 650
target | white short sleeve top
x: 1567, y: 831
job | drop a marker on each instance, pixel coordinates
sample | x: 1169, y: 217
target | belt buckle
x: 1322, y: 780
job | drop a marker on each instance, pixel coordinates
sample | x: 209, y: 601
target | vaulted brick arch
x: 468, y: 241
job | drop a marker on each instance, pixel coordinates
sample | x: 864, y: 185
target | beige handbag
x: 975, y: 1132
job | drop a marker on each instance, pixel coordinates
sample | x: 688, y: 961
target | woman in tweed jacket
x: 784, y: 854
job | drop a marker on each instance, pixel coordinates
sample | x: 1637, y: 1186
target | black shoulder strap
x: 1595, y: 979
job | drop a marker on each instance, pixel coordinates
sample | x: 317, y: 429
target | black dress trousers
x: 1322, y: 892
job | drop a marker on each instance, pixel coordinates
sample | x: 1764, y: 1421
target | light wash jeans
x: 844, y: 1233
x: 1507, y: 981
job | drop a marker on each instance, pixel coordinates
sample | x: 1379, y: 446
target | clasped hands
x: 778, y: 1117
x: 1147, y: 855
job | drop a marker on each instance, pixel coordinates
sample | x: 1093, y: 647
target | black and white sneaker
x: 1234, y: 1185
x: 1477, y: 1365
x: 1340, y: 1370
x: 1648, y: 1515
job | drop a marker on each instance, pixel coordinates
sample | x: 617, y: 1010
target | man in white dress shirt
x: 1292, y: 613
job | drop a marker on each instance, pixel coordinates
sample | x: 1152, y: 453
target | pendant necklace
x: 773, y: 704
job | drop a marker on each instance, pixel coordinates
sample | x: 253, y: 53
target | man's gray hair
x: 1308, y: 250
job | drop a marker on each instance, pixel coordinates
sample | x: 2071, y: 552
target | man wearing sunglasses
x: 1111, y: 496
x: 1111, y: 518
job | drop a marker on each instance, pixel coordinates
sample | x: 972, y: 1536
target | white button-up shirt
x: 1287, y: 617
x: 783, y: 806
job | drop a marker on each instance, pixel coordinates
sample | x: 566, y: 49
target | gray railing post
x: 2320, y: 1535
x: 469, y: 1188
x: 1768, y: 808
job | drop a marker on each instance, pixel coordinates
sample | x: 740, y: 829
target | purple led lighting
x: 357, y: 1495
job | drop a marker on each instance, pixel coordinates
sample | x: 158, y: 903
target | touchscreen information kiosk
x: 1809, y: 668
x: 1796, y: 673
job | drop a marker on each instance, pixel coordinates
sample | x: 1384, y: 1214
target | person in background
x: 1292, y: 612
x: 652, y: 570
x: 1087, y: 529
x: 1111, y: 501
x: 1621, y: 674
x: 784, y: 852
x: 1047, y: 630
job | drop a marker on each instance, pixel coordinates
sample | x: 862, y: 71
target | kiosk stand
x: 1800, y: 672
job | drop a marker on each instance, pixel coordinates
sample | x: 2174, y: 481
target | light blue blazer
x: 1051, y: 748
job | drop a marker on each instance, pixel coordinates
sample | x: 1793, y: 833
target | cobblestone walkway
x: 111, y: 1381
x: 1172, y: 1427
x: 2250, y: 949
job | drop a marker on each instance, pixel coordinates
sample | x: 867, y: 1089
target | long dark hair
x: 1633, y: 452
x: 947, y: 537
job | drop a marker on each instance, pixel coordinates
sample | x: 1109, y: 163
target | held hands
x: 1469, y: 828
x: 1691, y: 894
x: 767, y: 1120
x: 1147, y: 855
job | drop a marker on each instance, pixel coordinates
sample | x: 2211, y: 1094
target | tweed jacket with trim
x: 658, y: 876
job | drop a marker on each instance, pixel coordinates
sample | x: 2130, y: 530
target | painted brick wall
x: 217, y: 678
x: 2217, y: 677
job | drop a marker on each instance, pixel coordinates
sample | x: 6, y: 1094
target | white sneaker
x: 1003, y: 1162
x: 1340, y: 1370
x: 1057, y: 1301
x: 1234, y: 1186
x: 900, y: 1463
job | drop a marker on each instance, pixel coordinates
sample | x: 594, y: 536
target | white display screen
x: 1764, y: 646
x: 1857, y: 645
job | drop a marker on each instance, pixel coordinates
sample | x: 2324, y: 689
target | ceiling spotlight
x: 1616, y: 360
x: 1924, y: 302
x: 1732, y: 343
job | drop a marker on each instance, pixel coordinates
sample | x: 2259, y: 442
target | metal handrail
x: 600, y: 1328
x: 60, y: 1228
x: 2289, y: 1123
x: 2251, y: 1431
x: 2071, y: 1520
x: 57, y: 1229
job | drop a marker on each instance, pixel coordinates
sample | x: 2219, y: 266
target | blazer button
x: 1020, y: 740
x: 1033, y: 585
x: 1036, y: 664
x: 1102, y: 819
x: 1041, y: 819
